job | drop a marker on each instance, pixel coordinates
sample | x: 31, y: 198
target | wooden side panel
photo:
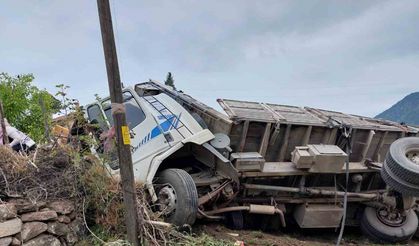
x: 388, y: 140
x: 381, y: 137
x: 296, y: 135
x: 265, y: 139
x: 215, y: 125
x: 317, y: 135
x: 307, y: 135
x: 245, y: 130
x: 358, y: 141
x: 299, y: 135
x: 284, y: 145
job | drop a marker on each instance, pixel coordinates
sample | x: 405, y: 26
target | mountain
x: 405, y: 110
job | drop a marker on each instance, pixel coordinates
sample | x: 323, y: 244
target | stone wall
x: 43, y: 223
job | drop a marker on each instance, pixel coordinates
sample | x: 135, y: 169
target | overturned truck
x: 299, y: 165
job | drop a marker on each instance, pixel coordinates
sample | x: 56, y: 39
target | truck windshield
x: 134, y: 113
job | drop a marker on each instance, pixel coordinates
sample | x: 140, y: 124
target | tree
x: 65, y: 101
x: 169, y: 80
x: 21, y: 104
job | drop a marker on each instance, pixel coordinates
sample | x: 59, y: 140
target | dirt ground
x: 290, y: 237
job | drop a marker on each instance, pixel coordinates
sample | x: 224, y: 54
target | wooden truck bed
x: 275, y: 130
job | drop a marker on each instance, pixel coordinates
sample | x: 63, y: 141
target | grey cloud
x: 353, y: 56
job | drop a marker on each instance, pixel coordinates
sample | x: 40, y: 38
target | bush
x: 21, y: 104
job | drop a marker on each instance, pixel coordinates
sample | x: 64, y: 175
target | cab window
x: 96, y: 117
x: 135, y: 115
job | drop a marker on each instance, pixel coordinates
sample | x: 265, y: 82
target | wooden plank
x: 367, y: 145
x: 379, y: 146
x: 265, y: 140
x: 244, y: 135
x: 326, y: 136
x: 353, y: 136
x: 275, y: 114
x: 275, y: 134
x: 226, y: 108
x: 284, y: 143
x: 332, y: 137
x: 307, y: 135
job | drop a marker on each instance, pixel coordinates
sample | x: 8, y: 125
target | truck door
x: 147, y: 139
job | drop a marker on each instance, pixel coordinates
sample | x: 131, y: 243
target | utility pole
x: 120, y: 124
x: 3, y: 125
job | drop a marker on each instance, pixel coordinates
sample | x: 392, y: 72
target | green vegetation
x: 22, y: 104
x: 169, y: 80
x: 65, y: 101
x: 104, y: 213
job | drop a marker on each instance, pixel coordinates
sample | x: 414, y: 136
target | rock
x: 7, y: 211
x: 63, y: 219
x: 73, y: 215
x: 45, y: 209
x: 10, y: 227
x: 77, y: 226
x: 32, y: 229
x: 62, y: 207
x: 43, y: 239
x: 58, y: 229
x: 16, y: 242
x: 39, y: 216
x: 77, y: 229
x: 25, y: 206
x: 63, y: 241
x: 71, y: 238
x: 5, y: 241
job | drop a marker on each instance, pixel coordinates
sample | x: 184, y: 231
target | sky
x: 357, y: 57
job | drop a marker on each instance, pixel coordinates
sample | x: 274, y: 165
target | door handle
x: 168, y: 136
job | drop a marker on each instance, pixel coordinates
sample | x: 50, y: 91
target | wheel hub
x: 390, y: 218
x: 167, y: 200
x: 413, y: 156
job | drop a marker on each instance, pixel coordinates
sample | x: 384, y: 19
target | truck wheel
x: 417, y: 231
x: 177, y: 196
x: 401, y: 166
x: 383, y: 227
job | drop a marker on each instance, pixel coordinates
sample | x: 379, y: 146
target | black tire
x: 234, y: 220
x: 379, y: 232
x: 417, y: 231
x: 186, y: 203
x: 397, y: 184
x: 399, y: 172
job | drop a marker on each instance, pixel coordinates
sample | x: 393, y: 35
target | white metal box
x: 327, y: 158
x: 301, y: 157
x: 247, y: 161
x: 318, y: 215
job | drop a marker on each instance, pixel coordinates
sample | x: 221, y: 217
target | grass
x: 201, y: 240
